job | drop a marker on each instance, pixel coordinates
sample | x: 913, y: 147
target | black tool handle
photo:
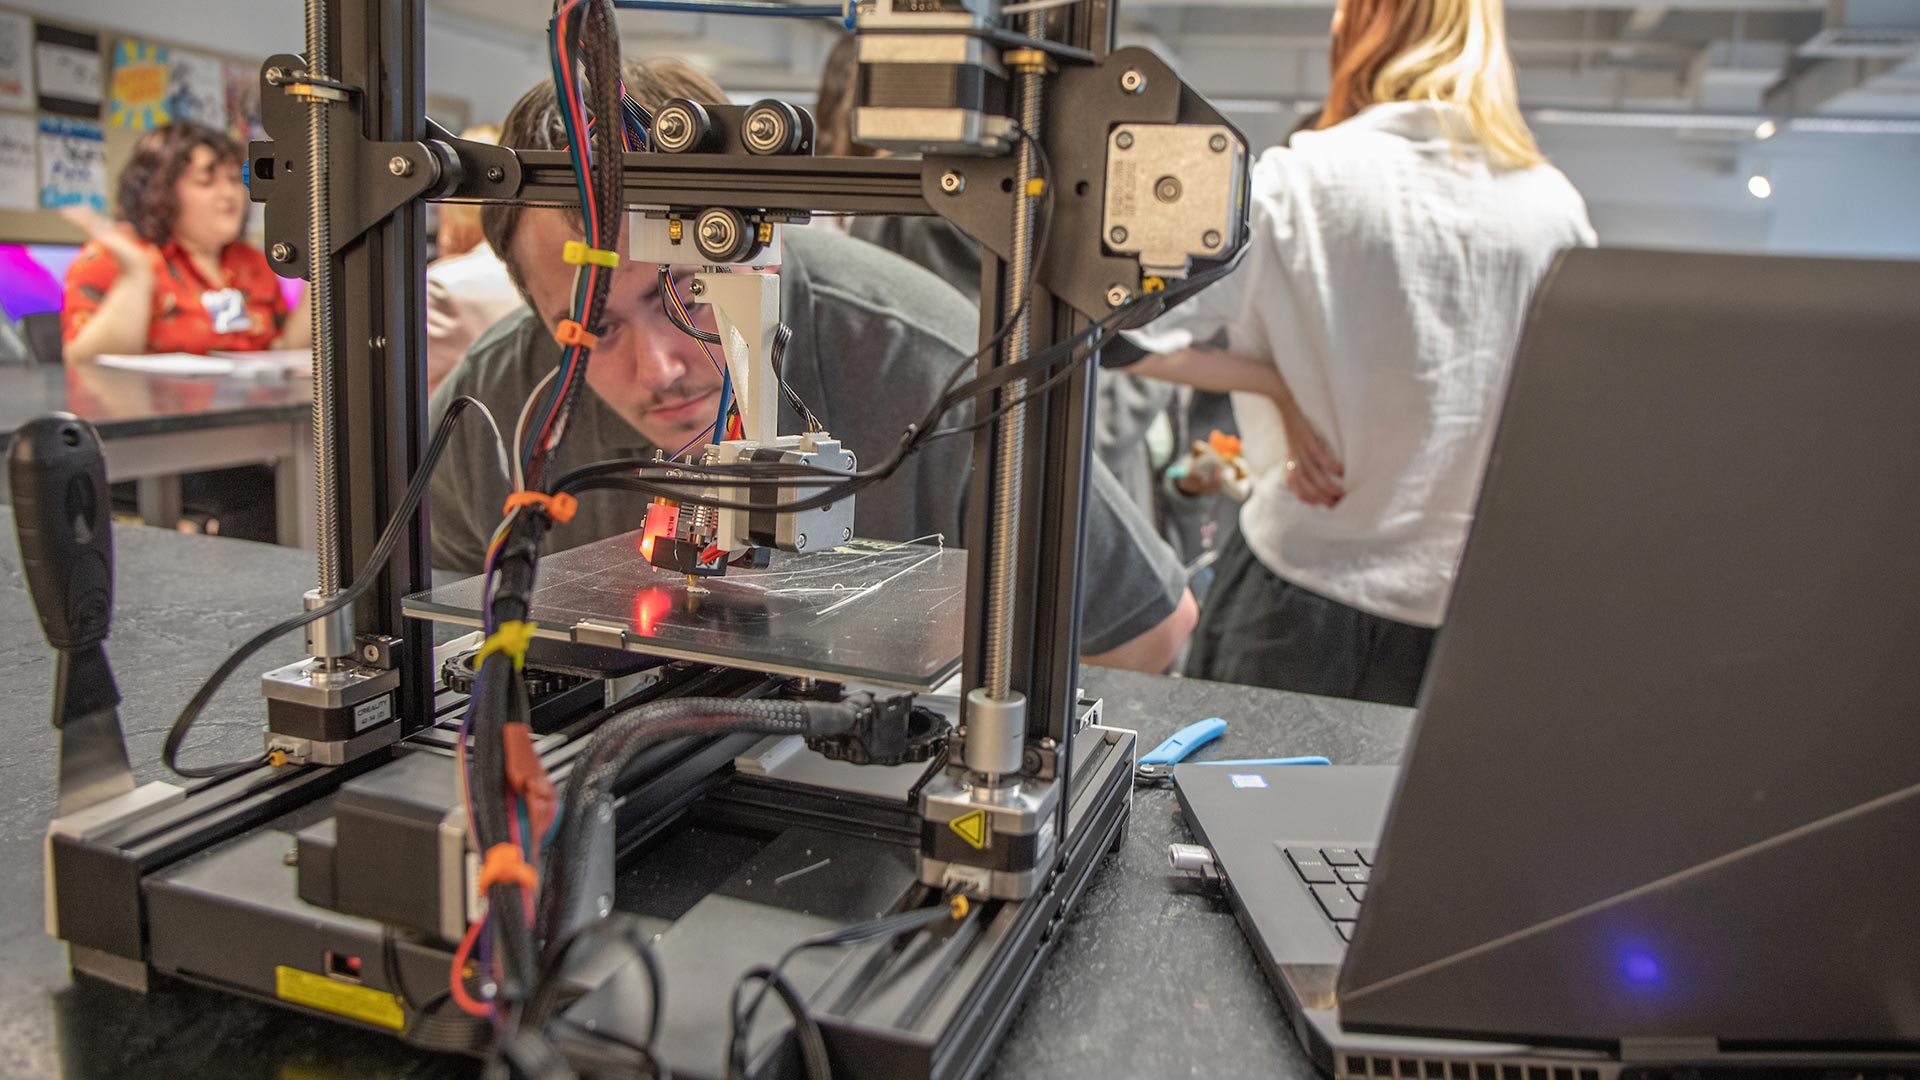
x: 62, y: 514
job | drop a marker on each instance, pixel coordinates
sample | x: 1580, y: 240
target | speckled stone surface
x: 1150, y: 979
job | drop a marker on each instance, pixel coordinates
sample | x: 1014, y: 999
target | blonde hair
x: 1442, y: 51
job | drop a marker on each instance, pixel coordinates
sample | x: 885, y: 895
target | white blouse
x: 1387, y: 274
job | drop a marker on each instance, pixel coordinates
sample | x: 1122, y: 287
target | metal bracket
x: 971, y: 192
x: 373, y: 178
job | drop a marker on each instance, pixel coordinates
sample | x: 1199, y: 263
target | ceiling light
x: 1765, y: 130
x: 1759, y: 186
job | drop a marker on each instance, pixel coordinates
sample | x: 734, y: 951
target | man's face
x: 654, y: 376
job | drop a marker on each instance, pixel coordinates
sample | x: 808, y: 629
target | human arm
x: 297, y: 331
x: 109, y: 294
x: 1154, y: 651
x: 1314, y: 472
x: 1135, y: 609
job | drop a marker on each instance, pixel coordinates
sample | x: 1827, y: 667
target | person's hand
x: 117, y: 237
x: 1314, y: 474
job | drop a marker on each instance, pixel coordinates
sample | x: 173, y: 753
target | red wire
x: 456, y: 981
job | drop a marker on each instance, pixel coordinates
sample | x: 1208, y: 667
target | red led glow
x: 648, y: 609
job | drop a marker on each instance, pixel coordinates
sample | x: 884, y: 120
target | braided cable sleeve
x: 623, y: 738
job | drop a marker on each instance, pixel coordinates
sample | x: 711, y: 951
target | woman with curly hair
x: 173, y: 275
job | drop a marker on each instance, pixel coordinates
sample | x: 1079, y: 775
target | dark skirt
x: 1259, y: 629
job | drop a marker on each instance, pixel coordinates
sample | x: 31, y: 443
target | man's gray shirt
x: 874, y: 338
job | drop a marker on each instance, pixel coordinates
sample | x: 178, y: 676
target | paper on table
x: 292, y: 362
x: 171, y: 364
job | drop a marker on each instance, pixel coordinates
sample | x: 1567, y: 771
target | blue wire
x: 704, y: 432
x: 726, y: 399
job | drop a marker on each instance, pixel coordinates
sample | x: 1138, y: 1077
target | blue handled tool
x: 1184, y: 742
x: 1157, y: 764
x: 1310, y: 759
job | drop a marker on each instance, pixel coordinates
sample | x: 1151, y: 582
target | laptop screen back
x: 1665, y: 781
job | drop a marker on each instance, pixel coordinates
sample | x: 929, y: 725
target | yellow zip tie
x: 1036, y: 186
x: 511, y: 638
x: 578, y: 253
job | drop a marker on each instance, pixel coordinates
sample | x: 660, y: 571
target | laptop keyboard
x: 1337, y: 877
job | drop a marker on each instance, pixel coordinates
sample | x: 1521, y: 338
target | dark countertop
x: 123, y: 404
x: 1151, y: 978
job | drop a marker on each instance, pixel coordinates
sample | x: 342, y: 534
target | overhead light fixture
x: 1759, y: 186
x: 1766, y: 130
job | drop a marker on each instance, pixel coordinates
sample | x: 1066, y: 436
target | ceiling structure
x: 1731, y: 58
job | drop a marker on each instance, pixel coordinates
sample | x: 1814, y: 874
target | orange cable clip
x: 505, y: 865
x: 572, y: 333
x: 558, y: 506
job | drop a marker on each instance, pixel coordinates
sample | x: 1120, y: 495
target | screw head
x: 1118, y: 295
x: 275, y: 76
x: 800, y: 541
x: 1212, y: 239
x: 1217, y: 144
x: 290, y: 858
x: 282, y: 253
x: 1118, y: 235
x: 1124, y: 140
x: 495, y: 174
x: 846, y: 535
x: 698, y: 287
x: 1132, y: 81
x: 399, y: 166
x: 953, y: 183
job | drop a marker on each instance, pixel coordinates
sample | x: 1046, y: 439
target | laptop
x: 1661, y: 805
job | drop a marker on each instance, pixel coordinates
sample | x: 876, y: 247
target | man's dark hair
x: 147, y: 199
x: 535, y: 124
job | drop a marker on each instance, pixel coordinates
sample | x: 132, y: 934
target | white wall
x: 1846, y: 195
x: 1843, y: 195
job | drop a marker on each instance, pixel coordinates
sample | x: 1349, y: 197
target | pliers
x: 1156, y: 765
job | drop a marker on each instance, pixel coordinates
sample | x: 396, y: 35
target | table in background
x: 158, y: 427
x: 1150, y: 978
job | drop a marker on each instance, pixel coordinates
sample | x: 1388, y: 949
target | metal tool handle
x: 62, y: 515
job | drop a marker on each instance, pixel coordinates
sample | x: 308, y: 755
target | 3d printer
x: 662, y: 785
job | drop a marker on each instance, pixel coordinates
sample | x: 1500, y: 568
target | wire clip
x: 572, y: 333
x: 511, y: 638
x: 506, y: 866
x: 559, y: 506
x: 577, y: 253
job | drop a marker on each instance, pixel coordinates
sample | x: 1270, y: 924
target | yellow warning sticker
x: 971, y: 827
x: 362, y: 1003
